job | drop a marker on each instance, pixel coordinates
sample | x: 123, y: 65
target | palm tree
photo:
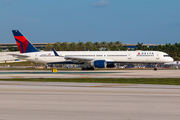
x: 48, y: 47
x: 139, y: 46
x: 65, y: 46
x: 0, y: 48
x: 97, y: 45
x: 103, y: 44
x: 11, y: 48
x: 111, y: 44
x: 89, y: 45
x: 57, y: 46
x: 73, y: 46
x: 118, y: 43
x: 81, y: 46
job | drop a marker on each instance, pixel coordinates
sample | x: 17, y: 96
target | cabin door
x: 129, y: 56
x: 157, y: 56
x: 36, y: 57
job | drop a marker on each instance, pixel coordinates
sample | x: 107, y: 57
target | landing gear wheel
x: 155, y: 69
x: 87, y: 68
x: 92, y: 68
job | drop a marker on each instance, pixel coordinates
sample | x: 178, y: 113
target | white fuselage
x: 109, y: 56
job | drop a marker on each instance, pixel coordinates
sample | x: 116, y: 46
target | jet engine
x: 99, y: 63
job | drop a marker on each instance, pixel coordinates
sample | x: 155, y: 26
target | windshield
x: 166, y: 56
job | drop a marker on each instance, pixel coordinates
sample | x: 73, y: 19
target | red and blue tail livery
x: 23, y: 44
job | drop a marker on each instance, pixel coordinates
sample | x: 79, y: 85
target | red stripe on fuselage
x: 24, y: 41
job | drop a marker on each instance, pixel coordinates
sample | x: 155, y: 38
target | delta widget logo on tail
x: 23, y: 44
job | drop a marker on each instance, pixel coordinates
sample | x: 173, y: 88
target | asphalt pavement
x: 90, y: 74
x: 88, y: 101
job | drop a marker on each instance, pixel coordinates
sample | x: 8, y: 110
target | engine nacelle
x: 99, y: 63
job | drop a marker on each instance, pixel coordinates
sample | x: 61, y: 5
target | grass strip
x: 160, y: 81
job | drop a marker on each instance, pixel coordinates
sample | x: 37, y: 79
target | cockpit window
x: 166, y: 56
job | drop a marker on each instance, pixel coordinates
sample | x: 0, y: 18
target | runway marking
x: 17, y: 76
x: 89, y: 74
x: 72, y: 73
x: 96, y: 91
x: 111, y: 85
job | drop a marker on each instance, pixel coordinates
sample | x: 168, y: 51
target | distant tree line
x: 85, y: 46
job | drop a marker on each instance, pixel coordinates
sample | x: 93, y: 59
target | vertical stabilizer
x: 23, y: 44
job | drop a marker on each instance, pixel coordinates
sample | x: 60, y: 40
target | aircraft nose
x: 171, y: 59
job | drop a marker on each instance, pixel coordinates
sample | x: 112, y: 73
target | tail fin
x: 23, y: 44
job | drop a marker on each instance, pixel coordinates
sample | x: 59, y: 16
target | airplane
x: 89, y: 59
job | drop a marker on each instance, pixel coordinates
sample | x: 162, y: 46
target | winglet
x: 55, y: 53
x: 23, y: 44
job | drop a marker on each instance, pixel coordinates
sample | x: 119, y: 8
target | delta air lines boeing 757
x: 89, y: 59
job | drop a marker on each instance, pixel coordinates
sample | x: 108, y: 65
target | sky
x: 128, y: 21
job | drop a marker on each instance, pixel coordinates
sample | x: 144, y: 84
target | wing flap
x: 78, y: 59
x: 19, y: 55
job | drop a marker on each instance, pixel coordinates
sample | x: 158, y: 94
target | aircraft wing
x: 75, y: 59
x: 19, y: 55
x: 78, y: 59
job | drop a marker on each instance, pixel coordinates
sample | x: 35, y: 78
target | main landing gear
x: 88, y: 68
x: 155, y: 68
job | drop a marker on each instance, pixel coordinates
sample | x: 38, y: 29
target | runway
x: 90, y: 74
x: 88, y: 101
